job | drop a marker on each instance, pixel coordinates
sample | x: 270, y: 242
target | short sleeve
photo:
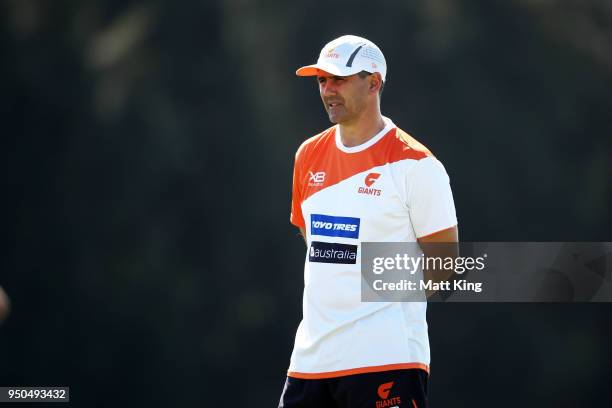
x: 430, y: 199
x: 296, y: 217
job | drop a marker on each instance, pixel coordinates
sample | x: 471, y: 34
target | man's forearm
x: 443, y: 245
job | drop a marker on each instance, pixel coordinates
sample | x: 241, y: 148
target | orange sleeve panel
x: 300, y: 179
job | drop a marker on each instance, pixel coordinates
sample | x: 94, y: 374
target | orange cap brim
x: 310, y: 70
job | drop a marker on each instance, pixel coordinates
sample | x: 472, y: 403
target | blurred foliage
x: 147, y: 157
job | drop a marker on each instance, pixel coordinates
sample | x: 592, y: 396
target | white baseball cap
x: 348, y: 55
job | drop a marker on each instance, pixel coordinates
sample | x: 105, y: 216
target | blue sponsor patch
x: 329, y: 226
x: 332, y: 252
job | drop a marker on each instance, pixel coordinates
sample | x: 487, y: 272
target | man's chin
x: 335, y: 119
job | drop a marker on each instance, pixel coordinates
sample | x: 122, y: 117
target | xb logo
x: 318, y: 177
x: 384, y: 390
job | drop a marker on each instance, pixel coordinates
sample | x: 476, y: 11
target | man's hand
x: 5, y: 305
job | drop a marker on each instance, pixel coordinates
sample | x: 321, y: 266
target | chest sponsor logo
x: 369, y: 180
x: 332, y: 252
x: 383, y: 393
x: 330, y: 226
x: 316, y: 179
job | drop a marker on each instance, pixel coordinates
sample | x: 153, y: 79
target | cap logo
x: 349, y: 63
x: 331, y: 54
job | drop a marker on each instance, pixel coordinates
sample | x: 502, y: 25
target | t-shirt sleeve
x: 430, y: 199
x: 296, y: 217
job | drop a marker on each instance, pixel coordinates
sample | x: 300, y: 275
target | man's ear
x: 375, y: 82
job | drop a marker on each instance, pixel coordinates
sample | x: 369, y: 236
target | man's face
x: 344, y: 98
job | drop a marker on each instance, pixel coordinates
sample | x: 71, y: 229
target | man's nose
x: 328, y: 88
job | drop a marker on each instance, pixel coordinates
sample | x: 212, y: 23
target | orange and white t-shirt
x: 389, y: 189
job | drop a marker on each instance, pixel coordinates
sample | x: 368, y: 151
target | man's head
x: 351, y: 72
x: 346, y: 98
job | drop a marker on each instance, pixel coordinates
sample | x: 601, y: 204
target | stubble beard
x: 334, y: 117
x: 345, y: 116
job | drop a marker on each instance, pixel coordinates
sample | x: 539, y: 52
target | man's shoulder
x: 404, y: 146
x: 316, y: 141
x: 425, y: 163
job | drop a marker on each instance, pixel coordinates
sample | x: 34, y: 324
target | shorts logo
x: 330, y: 226
x: 331, y: 252
x: 384, y: 390
x: 383, y: 393
x: 369, y: 180
x: 316, y: 179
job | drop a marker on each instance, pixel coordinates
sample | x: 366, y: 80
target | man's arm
x: 303, y: 232
x: 448, y: 235
x: 440, y: 244
x: 5, y: 305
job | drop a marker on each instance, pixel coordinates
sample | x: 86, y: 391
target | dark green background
x: 147, y: 150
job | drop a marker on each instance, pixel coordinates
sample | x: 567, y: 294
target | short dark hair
x: 365, y: 74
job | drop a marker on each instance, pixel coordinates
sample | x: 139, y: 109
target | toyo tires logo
x: 333, y: 226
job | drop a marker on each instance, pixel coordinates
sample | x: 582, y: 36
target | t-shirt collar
x: 354, y: 149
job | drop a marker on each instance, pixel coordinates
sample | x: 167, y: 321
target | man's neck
x: 359, y: 132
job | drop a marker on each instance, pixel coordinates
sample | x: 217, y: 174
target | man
x: 5, y: 305
x: 361, y: 180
